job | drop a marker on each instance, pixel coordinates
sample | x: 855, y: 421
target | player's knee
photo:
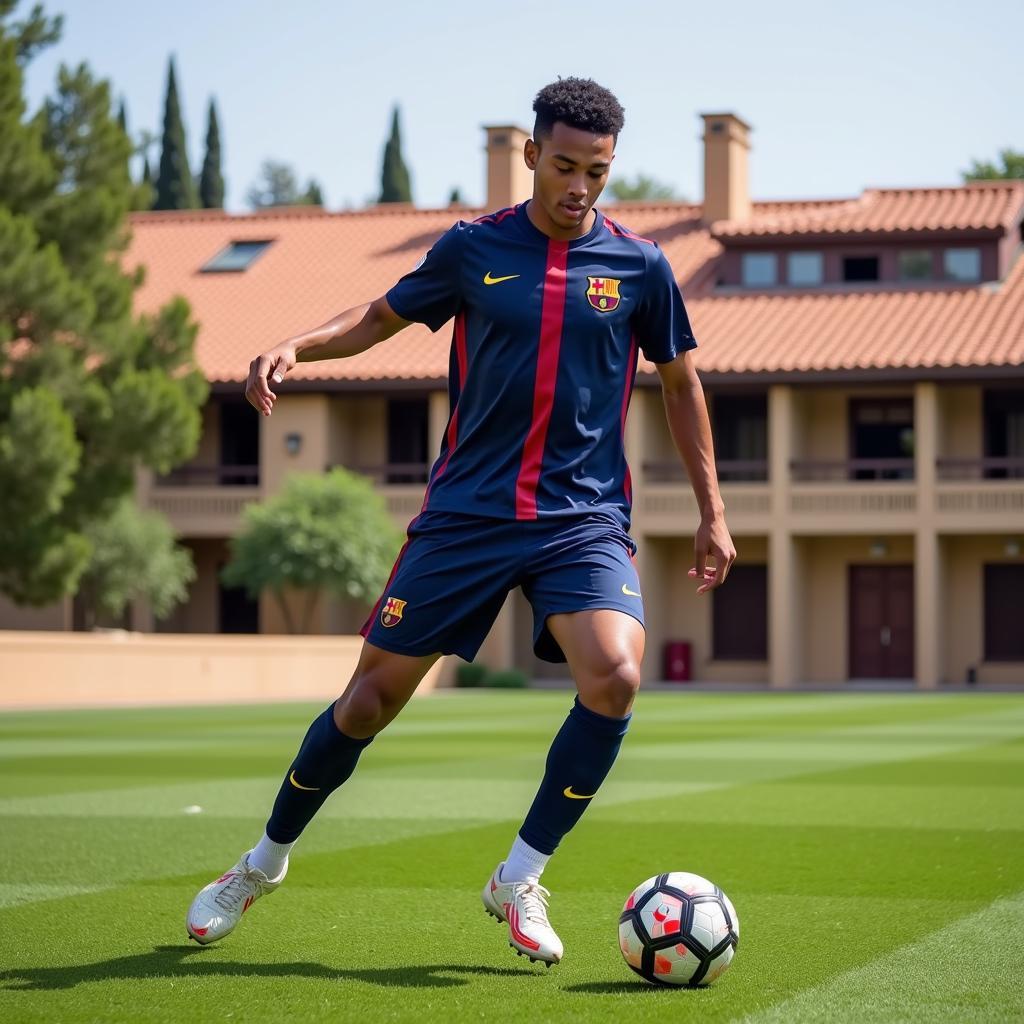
x: 362, y: 710
x: 614, y: 688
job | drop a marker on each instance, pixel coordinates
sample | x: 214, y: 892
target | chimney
x: 509, y: 180
x: 726, y: 179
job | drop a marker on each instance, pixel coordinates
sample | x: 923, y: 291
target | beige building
x: 864, y: 362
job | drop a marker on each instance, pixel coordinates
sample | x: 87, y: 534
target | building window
x: 759, y: 270
x: 1004, y: 639
x: 739, y: 615
x: 407, y: 440
x: 962, y: 264
x: 236, y: 257
x: 860, y: 268
x: 1003, y: 415
x: 915, y: 265
x: 239, y: 443
x: 805, y: 269
x: 882, y: 438
x: 741, y: 436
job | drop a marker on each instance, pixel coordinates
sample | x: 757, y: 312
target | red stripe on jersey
x: 630, y: 375
x: 453, y: 423
x: 497, y: 218
x: 618, y: 229
x: 552, y: 314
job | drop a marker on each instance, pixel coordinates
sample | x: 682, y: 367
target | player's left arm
x: 691, y: 430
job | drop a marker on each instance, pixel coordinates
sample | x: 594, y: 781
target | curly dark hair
x: 579, y: 103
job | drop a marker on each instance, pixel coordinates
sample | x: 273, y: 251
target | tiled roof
x: 321, y: 263
x: 980, y: 206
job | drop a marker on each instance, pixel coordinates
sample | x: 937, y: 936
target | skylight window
x: 758, y: 270
x: 236, y: 257
x: 962, y: 264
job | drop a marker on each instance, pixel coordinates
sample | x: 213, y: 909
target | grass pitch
x: 873, y: 846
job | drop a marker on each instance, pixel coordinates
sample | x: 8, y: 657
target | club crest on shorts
x: 391, y: 613
x: 603, y: 293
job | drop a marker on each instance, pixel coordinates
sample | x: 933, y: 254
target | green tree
x: 395, y: 185
x: 175, y: 189
x: 313, y: 196
x: 329, y: 533
x: 278, y: 185
x: 88, y: 392
x: 211, y: 181
x: 985, y: 170
x: 642, y: 187
x: 455, y: 197
x: 133, y: 556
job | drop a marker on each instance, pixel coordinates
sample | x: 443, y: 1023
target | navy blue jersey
x: 543, y: 360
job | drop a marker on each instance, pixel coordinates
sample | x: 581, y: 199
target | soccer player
x: 551, y: 301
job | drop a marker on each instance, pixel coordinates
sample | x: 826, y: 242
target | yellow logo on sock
x: 576, y: 796
x: 307, y: 789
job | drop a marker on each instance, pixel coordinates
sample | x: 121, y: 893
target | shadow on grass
x: 182, y: 961
x: 617, y: 987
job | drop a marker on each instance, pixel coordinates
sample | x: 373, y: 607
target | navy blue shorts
x: 454, y: 572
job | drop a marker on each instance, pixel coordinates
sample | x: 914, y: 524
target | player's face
x: 570, y: 171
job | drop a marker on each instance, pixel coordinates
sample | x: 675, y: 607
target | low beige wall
x: 40, y: 670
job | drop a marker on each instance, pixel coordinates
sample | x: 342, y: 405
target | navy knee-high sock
x: 580, y: 757
x: 325, y: 760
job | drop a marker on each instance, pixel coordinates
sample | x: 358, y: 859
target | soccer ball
x: 678, y: 929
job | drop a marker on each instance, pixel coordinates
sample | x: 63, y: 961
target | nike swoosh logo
x: 308, y: 789
x: 576, y: 796
x: 628, y: 592
x: 497, y: 280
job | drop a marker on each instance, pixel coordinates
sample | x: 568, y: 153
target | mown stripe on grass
x: 968, y: 971
x: 363, y: 797
x: 16, y: 894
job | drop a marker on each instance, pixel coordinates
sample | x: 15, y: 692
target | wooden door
x: 881, y: 621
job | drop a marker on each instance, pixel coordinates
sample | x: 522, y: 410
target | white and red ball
x: 678, y: 929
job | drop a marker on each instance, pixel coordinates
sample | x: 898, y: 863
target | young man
x: 551, y: 301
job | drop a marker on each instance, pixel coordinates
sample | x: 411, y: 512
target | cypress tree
x: 395, y: 186
x: 175, y: 189
x: 122, y: 118
x: 211, y: 181
x: 314, y: 195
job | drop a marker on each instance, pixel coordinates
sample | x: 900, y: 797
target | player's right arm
x: 355, y: 330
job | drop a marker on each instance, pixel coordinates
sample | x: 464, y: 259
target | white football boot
x: 524, y: 907
x: 219, y: 906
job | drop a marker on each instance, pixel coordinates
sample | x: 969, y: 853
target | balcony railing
x: 986, y: 468
x: 729, y: 470
x: 391, y: 472
x: 851, y: 469
x: 210, y: 476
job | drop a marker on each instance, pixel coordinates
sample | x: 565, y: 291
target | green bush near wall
x: 474, y: 675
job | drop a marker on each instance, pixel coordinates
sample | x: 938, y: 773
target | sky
x: 842, y: 96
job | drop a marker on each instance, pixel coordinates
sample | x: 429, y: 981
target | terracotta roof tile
x: 321, y: 263
x: 980, y: 206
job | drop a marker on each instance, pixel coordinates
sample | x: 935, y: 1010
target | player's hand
x: 268, y: 368
x: 712, y: 543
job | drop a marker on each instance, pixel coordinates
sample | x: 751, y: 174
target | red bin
x: 677, y: 661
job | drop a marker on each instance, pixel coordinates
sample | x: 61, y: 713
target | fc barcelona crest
x: 391, y: 613
x: 603, y: 293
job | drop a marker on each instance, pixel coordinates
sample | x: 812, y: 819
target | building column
x: 784, y: 619
x: 635, y: 447
x: 498, y: 650
x: 437, y: 422
x: 928, y: 631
